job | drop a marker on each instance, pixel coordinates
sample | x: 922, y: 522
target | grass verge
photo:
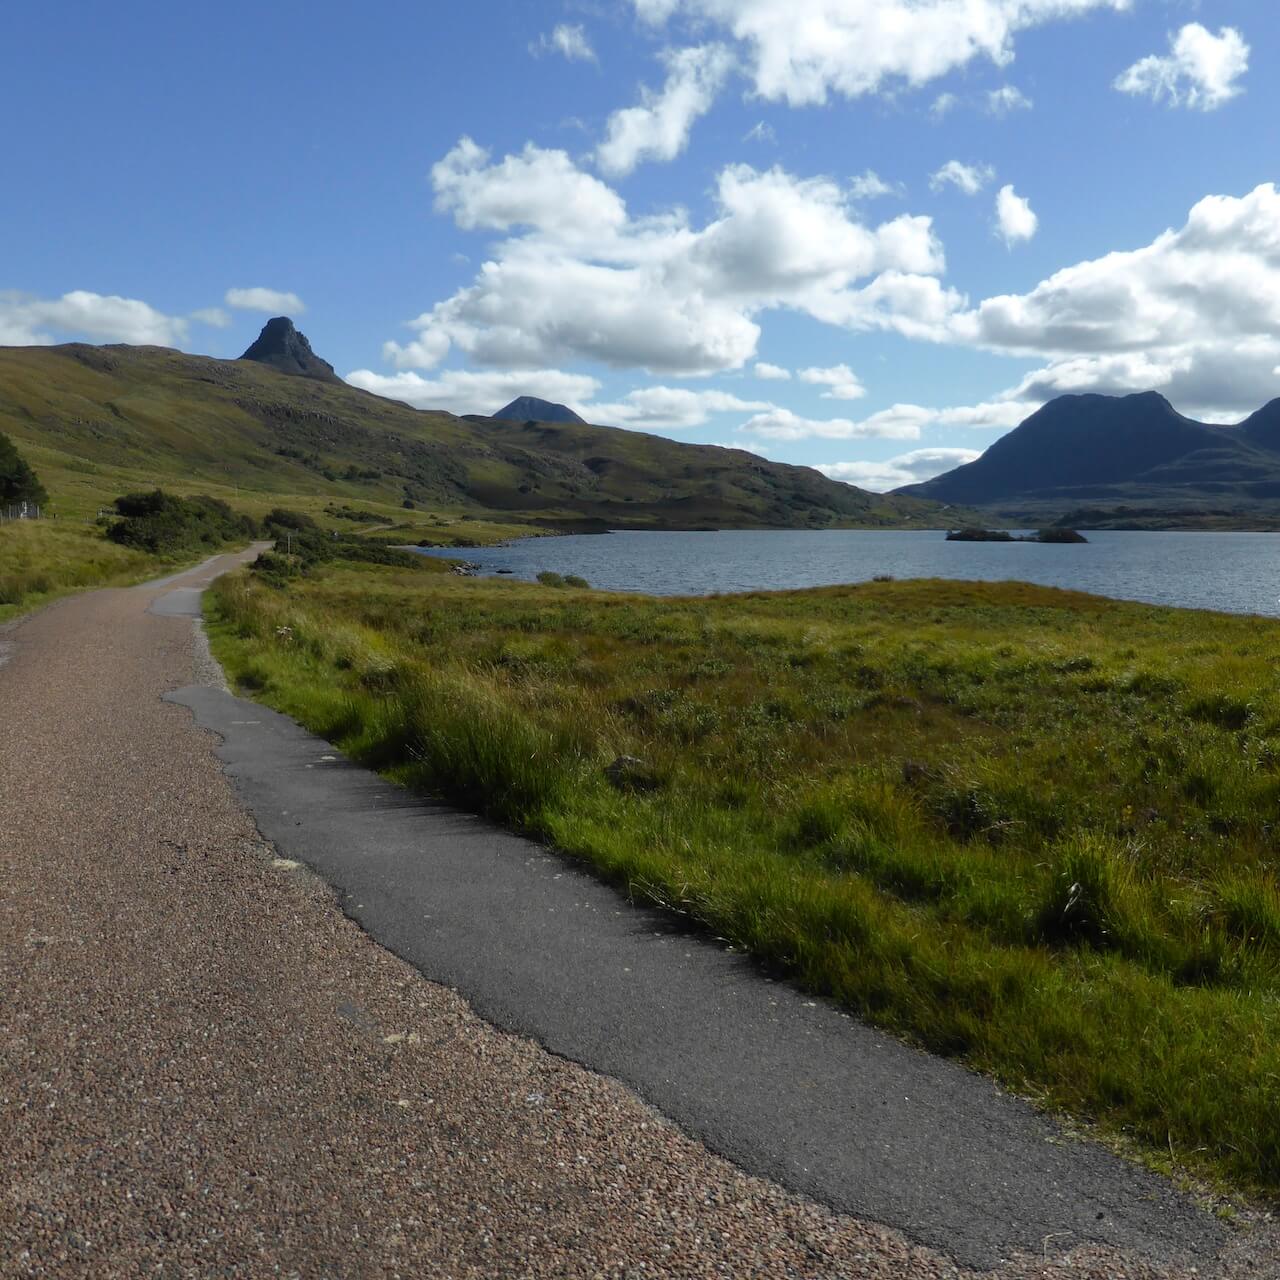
x: 41, y: 560
x: 1029, y: 828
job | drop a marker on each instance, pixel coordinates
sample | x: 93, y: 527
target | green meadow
x: 1031, y: 829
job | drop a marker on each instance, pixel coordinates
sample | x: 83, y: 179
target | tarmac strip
x: 787, y: 1087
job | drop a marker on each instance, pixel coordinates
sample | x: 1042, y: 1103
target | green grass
x: 1033, y: 829
x: 41, y: 560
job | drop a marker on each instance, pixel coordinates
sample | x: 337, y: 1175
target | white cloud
x: 1015, y: 219
x: 760, y: 132
x: 898, y: 422
x: 783, y: 424
x: 468, y: 391
x: 583, y: 280
x: 1007, y: 99
x: 906, y: 468
x: 658, y: 129
x: 969, y: 178
x: 871, y: 186
x: 272, y: 301
x: 659, y: 408
x: 215, y: 317
x: 772, y: 372
x: 805, y: 50
x: 943, y: 105
x: 537, y: 188
x: 569, y: 41
x: 1201, y: 71
x: 1194, y: 315
x: 841, y: 380
x: 31, y: 321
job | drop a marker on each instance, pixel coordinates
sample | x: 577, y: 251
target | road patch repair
x: 209, y: 1067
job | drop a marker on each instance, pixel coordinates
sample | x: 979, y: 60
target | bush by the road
x: 163, y: 524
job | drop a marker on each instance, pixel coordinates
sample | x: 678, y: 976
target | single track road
x: 208, y: 1067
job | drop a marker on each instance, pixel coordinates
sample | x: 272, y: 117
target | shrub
x: 573, y: 580
x: 281, y: 518
x: 18, y: 483
x: 310, y: 545
x: 162, y: 524
x: 549, y: 579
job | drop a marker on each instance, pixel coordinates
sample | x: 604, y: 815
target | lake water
x: 1235, y: 572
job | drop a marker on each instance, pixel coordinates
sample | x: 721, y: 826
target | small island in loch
x: 1003, y: 535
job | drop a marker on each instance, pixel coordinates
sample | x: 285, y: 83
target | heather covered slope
x: 97, y: 421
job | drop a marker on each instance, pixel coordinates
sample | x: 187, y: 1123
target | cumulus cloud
x: 1006, y: 100
x: 841, y: 381
x: 1195, y: 314
x: 471, y: 391
x: 1201, y: 71
x: 30, y: 321
x: 1015, y: 219
x: 969, y: 178
x: 906, y: 468
x: 783, y: 424
x: 537, y: 188
x: 215, y: 317
x: 898, y: 422
x: 803, y: 51
x: 657, y: 408
x: 272, y: 301
x: 658, y: 129
x: 771, y: 372
x: 581, y: 279
x: 567, y: 40
x: 871, y: 186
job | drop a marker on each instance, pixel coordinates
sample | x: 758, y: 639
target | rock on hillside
x: 282, y: 347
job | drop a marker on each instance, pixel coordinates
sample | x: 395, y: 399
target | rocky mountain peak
x: 281, y: 346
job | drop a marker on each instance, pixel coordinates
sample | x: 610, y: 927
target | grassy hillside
x: 97, y: 421
x: 1027, y: 827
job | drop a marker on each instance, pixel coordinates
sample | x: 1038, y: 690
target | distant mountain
x: 1113, y: 450
x: 99, y: 421
x: 282, y: 347
x: 531, y: 409
x: 1263, y: 428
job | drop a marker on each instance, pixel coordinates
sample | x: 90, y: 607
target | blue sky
x: 931, y: 215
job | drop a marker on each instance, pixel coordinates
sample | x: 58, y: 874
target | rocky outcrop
x: 281, y: 346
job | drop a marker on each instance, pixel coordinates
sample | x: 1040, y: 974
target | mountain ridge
x: 1091, y: 448
x: 99, y: 420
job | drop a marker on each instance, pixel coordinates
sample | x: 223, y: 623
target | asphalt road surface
x: 212, y: 1063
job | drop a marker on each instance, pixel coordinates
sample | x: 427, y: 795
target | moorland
x: 1025, y: 827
